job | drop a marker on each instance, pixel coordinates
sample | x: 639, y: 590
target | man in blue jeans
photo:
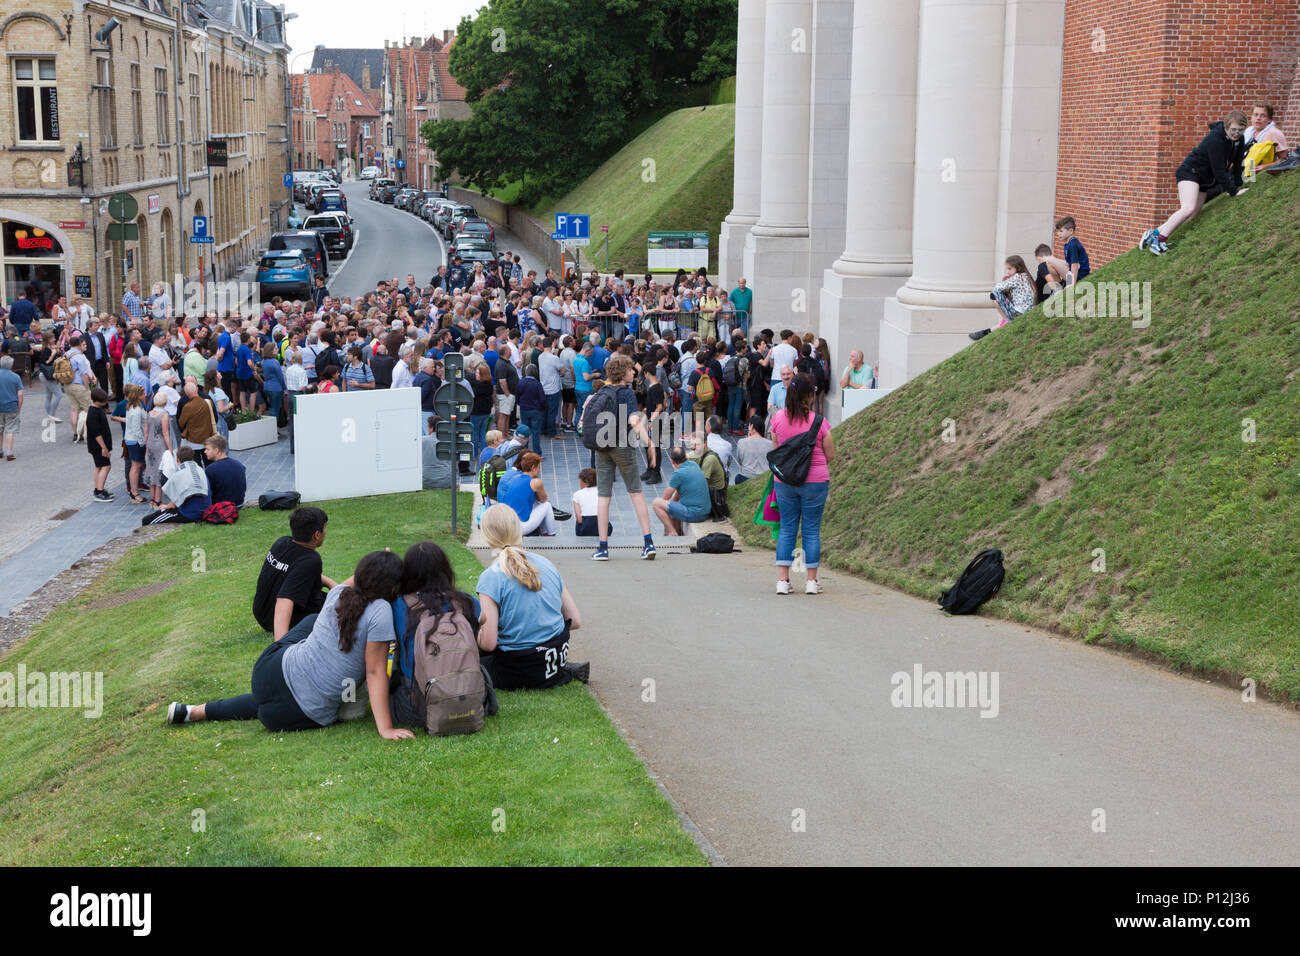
x: 686, y: 499
x: 532, y: 405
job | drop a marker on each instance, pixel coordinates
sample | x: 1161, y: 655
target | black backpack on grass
x: 980, y: 581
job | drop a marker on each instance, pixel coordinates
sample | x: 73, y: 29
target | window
x: 196, y: 128
x: 160, y: 104
x: 137, y: 120
x: 365, y: 130
x: 106, y: 103
x: 38, y: 100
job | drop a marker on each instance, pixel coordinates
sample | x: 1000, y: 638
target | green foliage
x: 549, y: 770
x: 553, y: 86
x: 1075, y: 434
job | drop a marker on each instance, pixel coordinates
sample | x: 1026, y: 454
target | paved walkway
x: 769, y: 711
x: 51, y: 478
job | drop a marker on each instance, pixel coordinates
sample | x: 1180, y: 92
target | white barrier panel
x: 856, y: 399
x: 350, y: 444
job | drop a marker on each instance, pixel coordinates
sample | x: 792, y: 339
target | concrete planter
x: 252, y: 434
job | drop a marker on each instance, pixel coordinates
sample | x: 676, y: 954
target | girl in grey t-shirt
x: 301, y: 680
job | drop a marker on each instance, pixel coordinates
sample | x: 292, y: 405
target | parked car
x: 453, y: 222
x: 310, y: 243
x: 477, y: 226
x: 377, y: 185
x: 285, y: 273
x: 389, y: 193
x: 304, y: 179
x: 470, y: 256
x: 442, y: 215
x: 437, y: 206
x: 370, y: 172
x: 465, y: 243
x: 328, y: 199
x: 335, y: 228
x: 405, y: 197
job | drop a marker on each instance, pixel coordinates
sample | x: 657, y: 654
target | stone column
x: 877, y: 255
x: 776, y: 250
x: 749, y: 143
x: 955, y: 198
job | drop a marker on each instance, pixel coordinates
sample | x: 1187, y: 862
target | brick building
x: 138, y: 113
x: 417, y: 88
x: 1001, y: 116
x: 346, y: 134
x: 1140, y: 81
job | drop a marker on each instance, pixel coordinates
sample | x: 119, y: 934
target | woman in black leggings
x: 300, y: 681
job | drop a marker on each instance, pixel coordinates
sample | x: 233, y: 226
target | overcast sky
x: 349, y: 23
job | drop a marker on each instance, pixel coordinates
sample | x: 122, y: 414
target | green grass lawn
x: 692, y: 151
x: 548, y: 781
x: 1076, y: 434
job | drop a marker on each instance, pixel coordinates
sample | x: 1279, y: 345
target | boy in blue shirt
x: 1075, y: 255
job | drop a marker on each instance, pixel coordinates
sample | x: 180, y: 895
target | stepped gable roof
x: 446, y: 85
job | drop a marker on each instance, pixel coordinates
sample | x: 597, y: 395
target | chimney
x: 385, y: 44
x: 365, y: 76
x: 447, y: 36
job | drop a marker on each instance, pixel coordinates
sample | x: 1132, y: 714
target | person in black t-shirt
x: 655, y: 418
x: 289, y: 587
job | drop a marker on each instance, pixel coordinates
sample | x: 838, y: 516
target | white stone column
x: 877, y: 255
x: 955, y: 198
x: 749, y: 143
x: 776, y: 249
x: 1031, y: 127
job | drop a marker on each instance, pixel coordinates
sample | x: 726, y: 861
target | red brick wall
x: 1131, y: 111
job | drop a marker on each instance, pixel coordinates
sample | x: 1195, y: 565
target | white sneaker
x: 782, y: 587
x: 812, y: 587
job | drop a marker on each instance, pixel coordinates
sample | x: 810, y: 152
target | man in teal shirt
x: 687, y: 496
x: 743, y: 298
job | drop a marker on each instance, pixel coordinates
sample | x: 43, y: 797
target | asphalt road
x: 772, y: 722
x: 389, y: 243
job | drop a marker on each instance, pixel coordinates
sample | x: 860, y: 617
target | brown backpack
x: 447, y: 674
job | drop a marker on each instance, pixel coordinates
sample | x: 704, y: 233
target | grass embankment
x: 549, y: 770
x: 689, y: 154
x: 1077, y: 434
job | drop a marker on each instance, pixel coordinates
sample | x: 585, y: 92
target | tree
x: 553, y: 86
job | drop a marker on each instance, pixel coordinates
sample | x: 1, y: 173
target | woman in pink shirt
x: 802, y: 505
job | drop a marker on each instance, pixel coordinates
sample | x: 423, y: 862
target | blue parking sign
x: 200, y: 226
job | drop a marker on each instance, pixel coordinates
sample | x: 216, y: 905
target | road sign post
x: 123, y: 208
x: 455, y: 434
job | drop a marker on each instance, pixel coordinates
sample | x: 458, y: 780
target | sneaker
x: 1158, y: 246
x: 976, y: 336
x: 645, y: 475
x: 782, y: 587
x: 101, y: 495
x: 177, y: 712
x: 580, y: 672
x: 1148, y: 237
x: 812, y: 587
x: 602, y: 554
x: 648, y: 552
x: 57, y: 421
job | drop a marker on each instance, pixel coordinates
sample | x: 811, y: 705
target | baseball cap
x: 523, y: 431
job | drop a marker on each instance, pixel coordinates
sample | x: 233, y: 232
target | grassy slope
x: 692, y: 151
x: 122, y: 789
x: 1076, y: 434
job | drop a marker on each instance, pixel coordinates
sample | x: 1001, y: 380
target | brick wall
x: 1139, y: 84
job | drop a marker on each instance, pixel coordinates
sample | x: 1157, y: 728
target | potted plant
x: 250, y: 431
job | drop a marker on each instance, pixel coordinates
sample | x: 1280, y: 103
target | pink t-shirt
x: 783, y: 431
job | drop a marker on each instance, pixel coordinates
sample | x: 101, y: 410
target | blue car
x: 285, y: 273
